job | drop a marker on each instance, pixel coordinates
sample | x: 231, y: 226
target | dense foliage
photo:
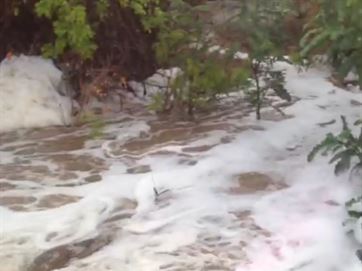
x: 184, y: 43
x: 88, y: 36
x: 75, y: 31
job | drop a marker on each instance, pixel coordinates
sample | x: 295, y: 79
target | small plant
x: 260, y: 22
x: 95, y: 123
x: 344, y: 147
x: 264, y: 79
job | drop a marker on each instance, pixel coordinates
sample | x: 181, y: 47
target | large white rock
x: 29, y: 94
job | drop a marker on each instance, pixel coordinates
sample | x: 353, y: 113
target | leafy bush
x: 336, y: 30
x: 183, y: 43
x: 344, y: 147
x: 73, y: 29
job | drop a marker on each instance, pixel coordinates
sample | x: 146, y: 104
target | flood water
x: 150, y: 194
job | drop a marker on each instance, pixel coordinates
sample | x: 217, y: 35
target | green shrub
x: 183, y: 43
x: 75, y: 32
x: 336, y: 30
x: 346, y: 151
x: 95, y: 123
x: 70, y: 25
x: 260, y: 22
x: 344, y: 147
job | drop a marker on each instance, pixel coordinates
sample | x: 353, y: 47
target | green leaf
x: 343, y: 165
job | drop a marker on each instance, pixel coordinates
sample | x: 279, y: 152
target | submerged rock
x: 61, y: 256
x: 252, y: 182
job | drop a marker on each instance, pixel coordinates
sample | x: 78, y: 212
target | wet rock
x: 189, y: 162
x: 18, y: 147
x: 166, y: 266
x: 4, y: 186
x: 216, y: 267
x: 202, y: 148
x: 57, y: 200
x: 206, y: 128
x: 212, y: 239
x: 8, y: 149
x: 19, y: 172
x: 170, y: 153
x: 254, y: 181
x: 71, y: 162
x: 59, y: 257
x: 67, y: 176
x: 139, y: 169
x: 226, y: 139
x: 273, y: 115
x: 242, y: 215
x: 332, y: 203
x: 120, y: 216
x: 8, y: 137
x: 212, y: 219
x: 249, y: 127
x: 65, y: 143
x: 251, y: 182
x: 18, y: 208
x: 16, y: 200
x: 143, y: 145
x: 356, y: 103
x: 127, y: 204
x: 93, y: 178
x: 26, y: 151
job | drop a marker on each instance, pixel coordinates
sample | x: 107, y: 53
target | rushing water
x: 223, y: 193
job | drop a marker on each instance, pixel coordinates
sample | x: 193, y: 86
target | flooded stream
x: 151, y: 194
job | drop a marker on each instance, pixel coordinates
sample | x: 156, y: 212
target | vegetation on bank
x: 119, y: 40
x: 108, y: 42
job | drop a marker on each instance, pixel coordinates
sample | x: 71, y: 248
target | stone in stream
x: 355, y: 103
x: 4, y: 186
x: 60, y: 257
x: 16, y: 200
x: 93, y: 178
x: 251, y: 182
x: 139, y: 169
x: 56, y: 200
